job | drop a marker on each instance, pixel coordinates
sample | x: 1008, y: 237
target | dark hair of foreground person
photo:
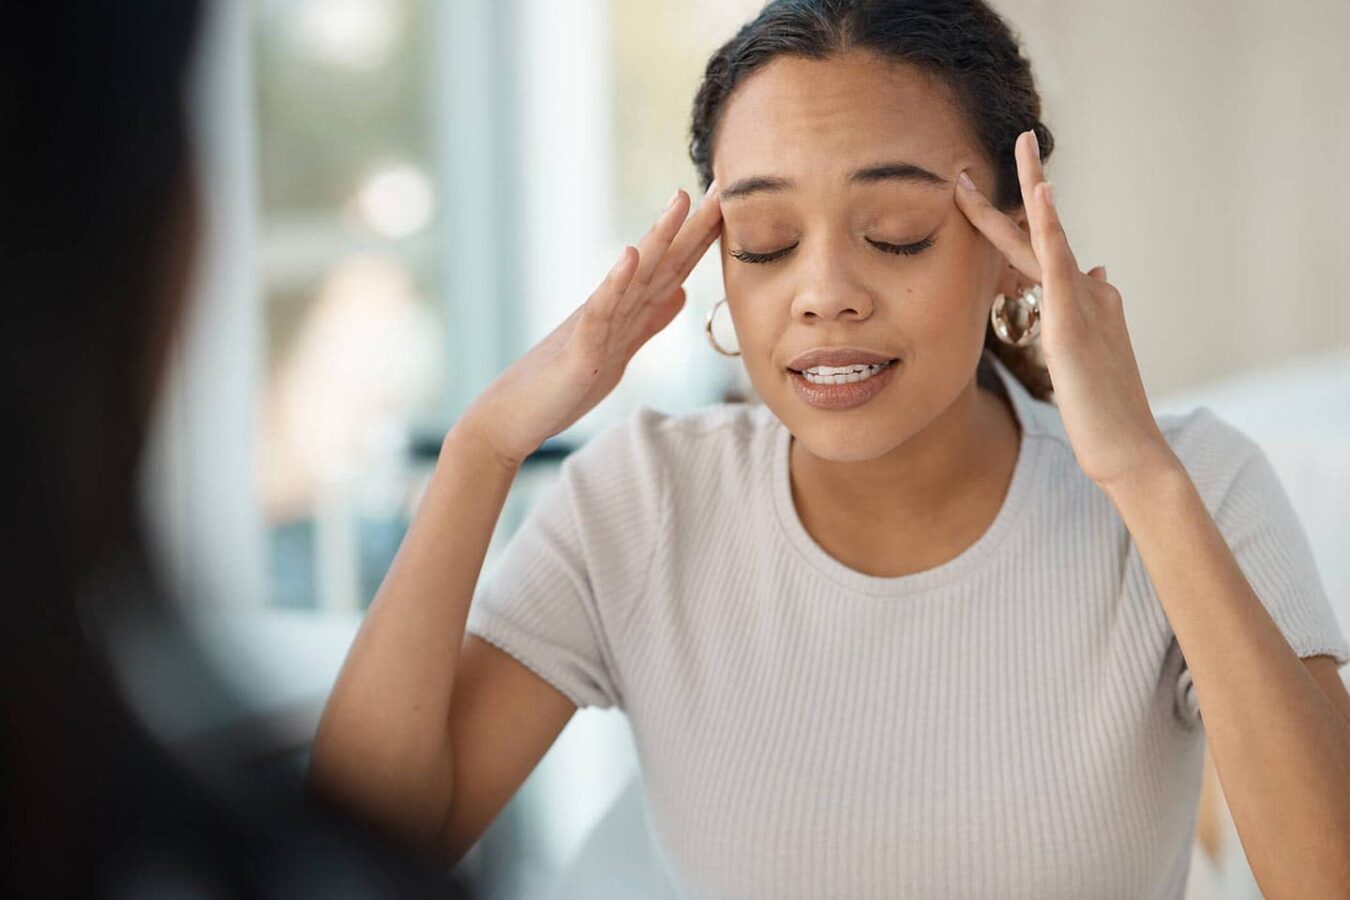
x: 98, y: 230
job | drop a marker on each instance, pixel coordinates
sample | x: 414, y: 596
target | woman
x: 908, y: 629
x: 98, y: 229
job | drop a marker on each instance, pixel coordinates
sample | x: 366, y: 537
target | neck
x: 943, y: 474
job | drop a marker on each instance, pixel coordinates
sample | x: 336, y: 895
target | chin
x: 857, y: 435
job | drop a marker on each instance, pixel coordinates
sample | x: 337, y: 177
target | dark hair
x: 964, y: 42
x: 97, y: 230
x: 94, y: 155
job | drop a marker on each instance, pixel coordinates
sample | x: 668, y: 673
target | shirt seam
x: 1334, y: 649
x: 499, y: 631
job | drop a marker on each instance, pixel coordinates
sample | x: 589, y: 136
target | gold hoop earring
x: 708, y: 327
x: 1017, y: 323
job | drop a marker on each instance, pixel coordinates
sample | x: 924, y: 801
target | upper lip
x: 837, y: 356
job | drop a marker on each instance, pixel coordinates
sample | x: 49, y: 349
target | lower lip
x: 842, y: 396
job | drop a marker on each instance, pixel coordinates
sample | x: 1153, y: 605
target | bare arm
x: 427, y: 733
x: 503, y: 718
x: 383, y: 747
x: 1274, y: 722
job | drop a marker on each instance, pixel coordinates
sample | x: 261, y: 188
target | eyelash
x: 895, y: 249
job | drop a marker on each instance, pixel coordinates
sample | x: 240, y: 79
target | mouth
x: 839, y: 373
x: 843, y: 387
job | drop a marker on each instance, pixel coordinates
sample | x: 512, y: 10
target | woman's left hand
x: 1087, y: 349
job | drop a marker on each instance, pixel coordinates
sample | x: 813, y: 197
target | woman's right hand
x: 572, y: 369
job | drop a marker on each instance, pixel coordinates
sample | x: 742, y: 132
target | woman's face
x: 811, y: 125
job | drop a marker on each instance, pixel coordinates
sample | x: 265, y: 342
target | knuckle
x: 597, y: 309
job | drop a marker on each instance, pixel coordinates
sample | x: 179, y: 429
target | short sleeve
x: 1261, y: 527
x: 557, y: 596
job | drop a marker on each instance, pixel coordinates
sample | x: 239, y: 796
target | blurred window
x: 441, y: 185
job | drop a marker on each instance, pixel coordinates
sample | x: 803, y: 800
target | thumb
x: 1098, y: 273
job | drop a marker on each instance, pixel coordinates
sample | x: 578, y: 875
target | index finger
x: 695, y: 237
x: 998, y: 226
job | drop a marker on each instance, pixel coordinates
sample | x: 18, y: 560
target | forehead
x: 821, y: 118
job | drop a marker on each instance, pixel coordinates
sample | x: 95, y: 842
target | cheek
x: 980, y: 262
x: 938, y: 316
x: 945, y: 297
x: 759, y: 319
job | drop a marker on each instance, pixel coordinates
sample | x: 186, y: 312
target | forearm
x: 382, y: 746
x: 1281, y: 749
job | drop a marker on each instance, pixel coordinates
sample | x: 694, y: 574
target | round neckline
x: 1014, y: 501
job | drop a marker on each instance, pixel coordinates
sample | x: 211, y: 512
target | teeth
x: 841, y: 375
x: 835, y: 370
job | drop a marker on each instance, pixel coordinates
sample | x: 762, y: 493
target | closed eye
x: 897, y: 249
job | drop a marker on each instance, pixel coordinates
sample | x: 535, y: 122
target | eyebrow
x: 891, y: 171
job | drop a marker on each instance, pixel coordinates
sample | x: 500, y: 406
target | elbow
x: 455, y: 838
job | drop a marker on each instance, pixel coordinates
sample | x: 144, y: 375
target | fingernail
x: 1035, y: 143
x: 1049, y: 193
x: 711, y: 188
x: 673, y: 197
x: 964, y: 180
x: 623, y: 255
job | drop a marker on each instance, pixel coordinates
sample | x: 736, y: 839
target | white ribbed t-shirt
x: 1015, y: 722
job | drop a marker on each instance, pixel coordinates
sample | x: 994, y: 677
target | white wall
x: 1202, y: 148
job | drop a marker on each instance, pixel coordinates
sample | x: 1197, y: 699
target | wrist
x: 1162, y: 476
x: 466, y: 440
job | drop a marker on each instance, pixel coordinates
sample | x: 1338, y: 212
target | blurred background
x: 404, y: 195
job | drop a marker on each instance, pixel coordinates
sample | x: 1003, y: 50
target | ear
x: 1010, y: 281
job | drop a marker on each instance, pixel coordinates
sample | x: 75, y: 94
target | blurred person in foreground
x: 99, y: 229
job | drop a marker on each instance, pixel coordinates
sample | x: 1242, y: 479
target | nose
x: 828, y: 287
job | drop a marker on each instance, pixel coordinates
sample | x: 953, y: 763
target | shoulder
x: 1213, y: 450
x: 1200, y: 431
x: 654, y: 443
x: 1255, y: 511
x: 633, y: 462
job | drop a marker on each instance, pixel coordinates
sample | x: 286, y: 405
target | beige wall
x: 1203, y: 148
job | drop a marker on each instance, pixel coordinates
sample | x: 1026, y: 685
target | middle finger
x: 697, y: 235
x: 651, y: 249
